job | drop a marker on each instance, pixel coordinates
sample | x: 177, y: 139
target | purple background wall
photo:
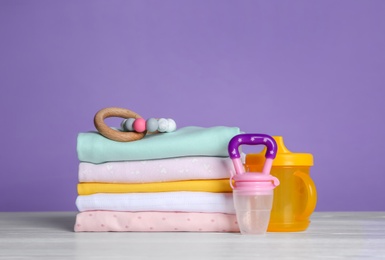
x: 312, y: 71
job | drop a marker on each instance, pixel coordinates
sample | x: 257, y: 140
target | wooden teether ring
x: 113, y: 134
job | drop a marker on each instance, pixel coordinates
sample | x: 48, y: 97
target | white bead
x: 162, y: 125
x: 171, y: 125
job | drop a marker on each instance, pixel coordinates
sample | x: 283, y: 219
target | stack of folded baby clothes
x: 176, y: 181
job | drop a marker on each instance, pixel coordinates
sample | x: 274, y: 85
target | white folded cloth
x: 159, y: 201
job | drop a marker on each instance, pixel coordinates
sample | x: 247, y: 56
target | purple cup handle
x: 252, y: 139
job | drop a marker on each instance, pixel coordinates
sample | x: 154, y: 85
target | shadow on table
x: 53, y: 221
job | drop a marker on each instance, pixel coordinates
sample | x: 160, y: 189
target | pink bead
x: 139, y: 125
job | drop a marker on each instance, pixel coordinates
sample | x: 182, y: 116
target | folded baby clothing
x: 159, y: 201
x: 218, y: 186
x: 188, y: 141
x: 159, y: 170
x: 103, y: 221
x: 137, y: 186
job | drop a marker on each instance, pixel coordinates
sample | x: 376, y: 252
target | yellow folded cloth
x: 221, y: 185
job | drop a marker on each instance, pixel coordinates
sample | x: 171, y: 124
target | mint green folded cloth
x: 188, y: 141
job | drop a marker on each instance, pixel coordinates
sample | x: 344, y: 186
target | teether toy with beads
x: 135, y: 127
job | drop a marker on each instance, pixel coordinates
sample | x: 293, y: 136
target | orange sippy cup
x: 296, y: 196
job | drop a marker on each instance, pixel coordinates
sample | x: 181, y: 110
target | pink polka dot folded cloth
x: 103, y: 221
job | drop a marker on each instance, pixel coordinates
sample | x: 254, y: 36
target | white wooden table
x: 49, y: 235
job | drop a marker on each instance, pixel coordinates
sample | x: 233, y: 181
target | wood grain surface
x: 331, y: 235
